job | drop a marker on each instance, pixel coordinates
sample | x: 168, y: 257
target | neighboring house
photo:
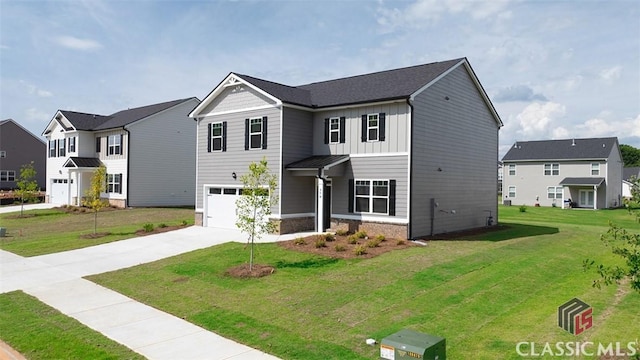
x: 18, y: 147
x: 149, y: 153
x: 408, y: 152
x: 627, y: 173
x: 588, y: 172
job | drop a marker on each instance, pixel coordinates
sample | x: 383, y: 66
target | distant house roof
x: 85, y: 121
x: 567, y: 149
x: 582, y: 181
x: 628, y: 172
x: 11, y: 121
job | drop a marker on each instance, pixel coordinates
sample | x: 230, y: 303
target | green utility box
x: 409, y: 344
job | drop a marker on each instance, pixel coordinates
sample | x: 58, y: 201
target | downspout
x: 126, y: 198
x: 410, y: 192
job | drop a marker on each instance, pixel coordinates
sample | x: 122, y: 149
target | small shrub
x: 163, y: 225
x: 148, y: 227
x: 340, y: 248
x: 320, y: 242
x: 400, y: 242
x: 329, y: 237
x: 342, y: 232
x: 352, y: 239
x: 381, y: 238
x: 361, y: 234
x: 184, y: 222
x: 299, y: 241
x: 373, y: 243
x: 360, y: 250
x: 523, y: 208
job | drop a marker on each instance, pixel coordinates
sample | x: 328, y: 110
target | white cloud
x: 537, y: 119
x: 518, y: 93
x: 611, y: 74
x: 75, y: 43
x: 597, y: 127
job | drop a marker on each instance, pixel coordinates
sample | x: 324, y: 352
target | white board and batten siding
x: 455, y: 152
x: 162, y: 158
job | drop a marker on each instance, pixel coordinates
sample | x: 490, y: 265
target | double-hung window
x: 595, y: 169
x: 72, y: 144
x: 552, y: 169
x: 374, y: 196
x: 512, y: 191
x: 217, y: 136
x: 114, y: 183
x: 554, y: 192
x: 255, y: 133
x: 512, y: 169
x: 373, y: 127
x: 114, y: 145
x: 334, y: 130
x: 7, y: 175
x: 53, y: 148
x: 61, y: 147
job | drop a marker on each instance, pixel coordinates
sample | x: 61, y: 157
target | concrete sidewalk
x: 56, y: 279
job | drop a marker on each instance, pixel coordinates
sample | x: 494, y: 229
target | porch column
x: 79, y: 187
x: 595, y: 197
x: 320, y: 208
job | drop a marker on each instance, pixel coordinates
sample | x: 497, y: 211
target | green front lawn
x: 53, y: 230
x: 38, y: 331
x: 483, y: 294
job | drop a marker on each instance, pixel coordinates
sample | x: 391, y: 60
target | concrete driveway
x: 56, y: 279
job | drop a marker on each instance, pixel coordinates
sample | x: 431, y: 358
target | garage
x: 59, y: 193
x: 221, y: 207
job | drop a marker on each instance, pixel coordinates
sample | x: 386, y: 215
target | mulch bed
x: 308, y: 245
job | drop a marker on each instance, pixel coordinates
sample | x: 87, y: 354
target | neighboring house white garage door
x: 59, y: 193
x: 221, y: 207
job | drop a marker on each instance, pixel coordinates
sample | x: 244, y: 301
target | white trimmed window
x: 114, y: 183
x: 512, y: 169
x: 372, y: 196
x: 3, y: 154
x: 114, y: 145
x: 373, y: 127
x: 595, y: 169
x: 255, y: 133
x: 551, y: 169
x: 334, y: 130
x: 216, y: 137
x: 61, y: 147
x: 554, y: 192
x: 72, y: 144
x: 512, y: 191
x: 7, y: 175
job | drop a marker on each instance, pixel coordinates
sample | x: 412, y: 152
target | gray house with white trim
x: 148, y: 152
x: 387, y: 152
x: 586, y: 172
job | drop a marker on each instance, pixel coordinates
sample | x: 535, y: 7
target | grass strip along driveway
x: 54, y: 230
x: 485, y: 293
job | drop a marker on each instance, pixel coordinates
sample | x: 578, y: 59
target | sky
x: 552, y: 69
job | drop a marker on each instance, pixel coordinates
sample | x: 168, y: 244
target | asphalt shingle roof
x: 318, y: 162
x: 84, y: 121
x: 578, y: 181
x: 628, y: 172
x: 567, y: 149
x: 82, y: 162
x: 379, y: 86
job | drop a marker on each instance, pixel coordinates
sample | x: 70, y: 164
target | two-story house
x: 408, y: 152
x: 586, y: 173
x: 149, y: 154
x: 19, y: 147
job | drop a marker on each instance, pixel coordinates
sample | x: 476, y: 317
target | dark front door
x: 326, y: 216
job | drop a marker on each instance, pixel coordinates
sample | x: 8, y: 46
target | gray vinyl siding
x: 161, y: 158
x: 21, y: 148
x: 233, y: 98
x: 104, y: 145
x: 396, y: 129
x: 298, y: 192
x: 454, y: 157
x: 217, y: 167
x: 372, y: 168
x: 614, y: 178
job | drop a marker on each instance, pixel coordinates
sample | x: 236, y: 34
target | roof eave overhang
x: 346, y: 105
x: 229, y: 81
x: 558, y: 160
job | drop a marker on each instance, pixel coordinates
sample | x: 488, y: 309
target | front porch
x: 585, y: 193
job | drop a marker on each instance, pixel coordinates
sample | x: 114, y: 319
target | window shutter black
x: 246, y: 134
x: 381, y: 127
x: 264, y: 132
x: 120, y: 187
x: 49, y: 149
x: 224, y: 136
x: 392, y: 197
x: 343, y: 124
x: 209, y: 137
x: 351, y: 198
x: 98, y: 144
x: 363, y: 137
x: 121, y: 145
x: 326, y: 130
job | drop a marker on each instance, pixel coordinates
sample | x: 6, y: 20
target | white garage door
x: 59, y: 193
x: 221, y: 207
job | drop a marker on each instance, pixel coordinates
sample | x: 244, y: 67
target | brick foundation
x: 294, y: 225
x: 119, y: 203
x: 391, y: 231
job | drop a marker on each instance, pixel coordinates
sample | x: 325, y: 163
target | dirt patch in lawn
x: 346, y: 246
x: 243, y: 272
x: 95, y: 236
x: 157, y: 230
